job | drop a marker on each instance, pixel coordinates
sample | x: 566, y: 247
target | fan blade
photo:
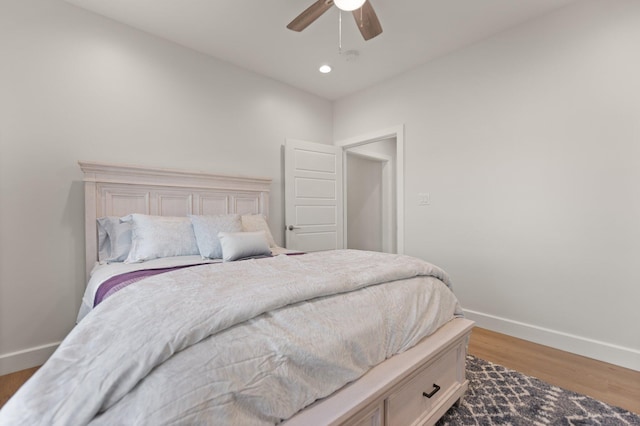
x: 367, y: 21
x: 312, y: 13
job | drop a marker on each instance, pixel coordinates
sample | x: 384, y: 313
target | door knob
x: 291, y: 227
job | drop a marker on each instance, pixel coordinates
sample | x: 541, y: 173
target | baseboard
x: 21, y: 360
x: 602, y: 351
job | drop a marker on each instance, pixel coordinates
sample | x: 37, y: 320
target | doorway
x: 385, y: 147
x: 370, y: 222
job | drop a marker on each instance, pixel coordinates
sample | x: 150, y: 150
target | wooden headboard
x: 117, y: 190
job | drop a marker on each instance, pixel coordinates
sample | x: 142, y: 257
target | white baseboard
x: 602, y: 351
x: 21, y: 360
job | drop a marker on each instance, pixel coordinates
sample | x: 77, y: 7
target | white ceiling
x: 253, y: 35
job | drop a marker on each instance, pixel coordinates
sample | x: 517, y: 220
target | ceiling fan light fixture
x: 348, y: 5
x: 365, y: 17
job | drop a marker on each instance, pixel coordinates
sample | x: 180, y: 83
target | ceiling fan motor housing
x: 366, y: 18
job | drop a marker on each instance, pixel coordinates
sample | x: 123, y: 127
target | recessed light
x: 324, y: 69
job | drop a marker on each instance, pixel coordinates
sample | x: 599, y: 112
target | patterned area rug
x: 499, y: 396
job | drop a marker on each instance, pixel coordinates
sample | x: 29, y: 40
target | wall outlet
x: 424, y: 199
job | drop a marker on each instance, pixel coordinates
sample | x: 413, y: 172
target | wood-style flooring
x: 609, y: 383
x: 10, y: 383
x: 606, y: 382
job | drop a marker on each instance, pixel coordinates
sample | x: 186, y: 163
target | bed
x: 169, y: 335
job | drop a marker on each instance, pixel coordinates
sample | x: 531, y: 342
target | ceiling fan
x: 363, y: 12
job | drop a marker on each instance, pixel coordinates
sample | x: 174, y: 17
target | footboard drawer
x: 415, y: 400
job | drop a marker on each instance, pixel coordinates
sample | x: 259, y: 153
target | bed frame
x: 415, y: 387
x: 117, y: 190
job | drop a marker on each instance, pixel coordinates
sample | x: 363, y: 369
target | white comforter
x: 249, y: 342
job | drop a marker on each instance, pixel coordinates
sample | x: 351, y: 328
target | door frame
x: 396, y: 132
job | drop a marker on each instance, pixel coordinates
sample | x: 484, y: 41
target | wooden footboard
x: 415, y: 387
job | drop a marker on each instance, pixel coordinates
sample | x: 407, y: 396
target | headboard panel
x: 117, y: 190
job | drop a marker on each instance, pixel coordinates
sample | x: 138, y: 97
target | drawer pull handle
x: 436, y: 388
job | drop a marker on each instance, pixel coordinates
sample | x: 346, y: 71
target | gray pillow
x: 114, y: 239
x: 160, y: 236
x: 238, y: 245
x: 207, y: 228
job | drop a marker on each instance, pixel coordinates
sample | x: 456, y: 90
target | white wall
x: 364, y: 203
x: 529, y: 144
x: 74, y: 86
x: 384, y: 149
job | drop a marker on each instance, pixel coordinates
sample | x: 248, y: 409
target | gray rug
x: 499, y: 396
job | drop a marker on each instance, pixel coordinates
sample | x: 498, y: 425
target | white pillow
x: 114, y: 239
x: 237, y: 245
x: 160, y: 236
x: 206, y: 229
x: 257, y: 222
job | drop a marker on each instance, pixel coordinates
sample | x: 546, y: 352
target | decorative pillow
x: 238, y: 245
x: 207, y: 228
x: 160, y: 236
x: 114, y: 239
x: 257, y: 222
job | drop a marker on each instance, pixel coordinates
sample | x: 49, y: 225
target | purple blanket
x: 118, y: 282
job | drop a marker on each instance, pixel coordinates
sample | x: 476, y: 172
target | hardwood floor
x: 609, y: 383
x: 10, y: 383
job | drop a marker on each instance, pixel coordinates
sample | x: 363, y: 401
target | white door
x: 313, y: 196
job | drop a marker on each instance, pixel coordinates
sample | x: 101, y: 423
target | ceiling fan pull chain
x: 340, y: 32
